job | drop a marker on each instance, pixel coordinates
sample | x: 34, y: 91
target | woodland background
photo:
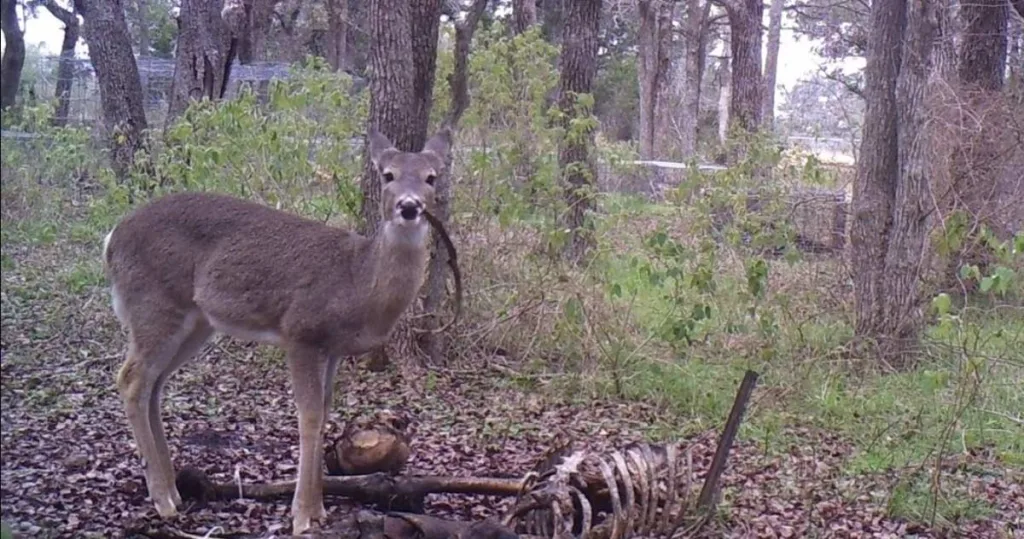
x: 638, y: 223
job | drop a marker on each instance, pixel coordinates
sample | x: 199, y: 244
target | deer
x: 188, y: 265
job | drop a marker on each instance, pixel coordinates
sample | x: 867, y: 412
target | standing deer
x: 188, y: 265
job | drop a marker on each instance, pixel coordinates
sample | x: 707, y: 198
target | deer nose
x: 410, y: 208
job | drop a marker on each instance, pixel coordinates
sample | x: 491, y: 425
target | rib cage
x: 639, y: 491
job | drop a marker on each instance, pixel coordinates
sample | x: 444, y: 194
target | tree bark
x: 653, y: 68
x: 689, y: 73
x: 983, y: 45
x: 143, y: 7
x: 553, y: 19
x: 892, y: 190
x: 578, y: 66
x: 392, y: 75
x: 771, y: 64
x: 204, y: 56
x: 874, y: 187
x: 13, y: 61
x: 524, y: 15
x: 909, y: 233
x: 745, y: 48
x: 66, y: 64
x: 110, y: 52
x: 337, y: 34
x: 425, y: 24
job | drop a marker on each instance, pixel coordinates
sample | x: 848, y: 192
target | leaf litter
x: 69, y: 468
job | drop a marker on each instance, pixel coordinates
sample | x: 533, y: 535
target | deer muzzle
x: 409, y: 208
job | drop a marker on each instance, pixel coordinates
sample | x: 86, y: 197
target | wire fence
x: 41, y: 78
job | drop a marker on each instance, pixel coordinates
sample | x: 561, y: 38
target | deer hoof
x: 303, y: 520
x: 166, y: 507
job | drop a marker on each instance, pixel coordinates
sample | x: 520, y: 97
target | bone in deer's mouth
x: 453, y: 263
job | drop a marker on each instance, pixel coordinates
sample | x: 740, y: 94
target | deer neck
x: 399, y: 255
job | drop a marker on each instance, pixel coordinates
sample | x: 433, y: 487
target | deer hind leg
x: 157, y: 346
x: 308, y: 369
x: 188, y: 349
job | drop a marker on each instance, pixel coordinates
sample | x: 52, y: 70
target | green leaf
x: 987, y: 283
x: 942, y: 303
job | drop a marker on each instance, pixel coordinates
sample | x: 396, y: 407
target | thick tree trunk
x: 66, y: 64
x: 909, y: 233
x: 689, y: 73
x: 983, y: 46
x: 13, y: 61
x: 653, y: 68
x: 874, y: 188
x: 524, y: 15
x: 892, y: 190
x: 578, y: 66
x: 392, y: 82
x: 204, y: 56
x: 337, y: 34
x: 771, y: 64
x: 110, y: 51
x: 745, y: 48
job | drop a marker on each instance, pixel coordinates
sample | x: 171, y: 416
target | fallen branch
x: 375, y: 488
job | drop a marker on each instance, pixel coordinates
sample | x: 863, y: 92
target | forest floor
x: 69, y: 468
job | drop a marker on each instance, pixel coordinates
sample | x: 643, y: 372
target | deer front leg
x: 308, y: 370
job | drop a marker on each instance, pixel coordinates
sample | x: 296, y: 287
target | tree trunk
x: 909, y: 233
x: 983, y: 46
x: 724, y: 96
x: 204, y: 56
x: 337, y: 34
x: 771, y: 64
x: 688, y: 75
x: 110, y: 52
x: 143, y: 6
x: 653, y: 68
x: 524, y: 15
x: 578, y: 66
x: 874, y: 187
x: 248, y: 22
x: 14, y: 54
x: 891, y: 191
x: 745, y: 47
x: 392, y: 77
x: 66, y: 64
x: 425, y: 23
x: 553, y: 20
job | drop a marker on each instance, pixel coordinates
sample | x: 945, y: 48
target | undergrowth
x: 680, y: 297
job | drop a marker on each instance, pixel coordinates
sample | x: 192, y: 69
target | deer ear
x: 440, y: 144
x: 381, y: 149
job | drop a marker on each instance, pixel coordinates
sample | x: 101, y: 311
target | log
x: 379, y: 488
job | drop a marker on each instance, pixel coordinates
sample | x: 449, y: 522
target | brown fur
x: 187, y: 265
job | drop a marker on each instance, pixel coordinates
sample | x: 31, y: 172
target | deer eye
x: 389, y: 177
x: 431, y: 179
